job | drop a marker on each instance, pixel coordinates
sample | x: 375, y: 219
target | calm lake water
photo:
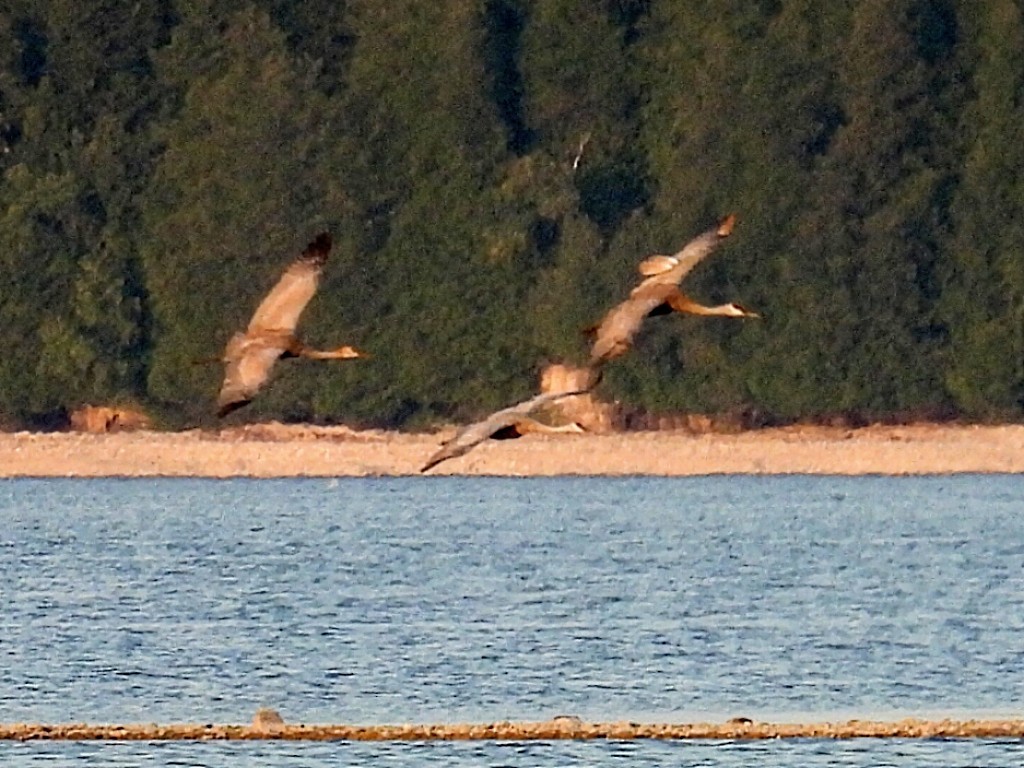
x: 479, y: 599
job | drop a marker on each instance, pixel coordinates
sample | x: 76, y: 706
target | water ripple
x: 394, y: 600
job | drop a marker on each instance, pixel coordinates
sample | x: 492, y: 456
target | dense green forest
x: 164, y: 160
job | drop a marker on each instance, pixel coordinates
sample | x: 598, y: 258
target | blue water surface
x: 480, y: 599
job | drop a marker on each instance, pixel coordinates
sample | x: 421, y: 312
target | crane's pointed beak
x: 350, y: 353
x: 745, y: 311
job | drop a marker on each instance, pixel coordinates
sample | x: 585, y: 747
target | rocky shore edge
x: 558, y: 728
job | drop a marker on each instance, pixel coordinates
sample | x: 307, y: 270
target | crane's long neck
x: 317, y: 354
x: 341, y: 353
x: 721, y: 310
x: 680, y: 302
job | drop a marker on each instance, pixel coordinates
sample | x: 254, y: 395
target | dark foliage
x: 492, y: 172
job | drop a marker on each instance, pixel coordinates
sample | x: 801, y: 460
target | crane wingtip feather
x: 319, y: 248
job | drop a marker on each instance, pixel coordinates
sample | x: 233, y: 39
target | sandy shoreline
x: 275, y: 450
x: 547, y: 730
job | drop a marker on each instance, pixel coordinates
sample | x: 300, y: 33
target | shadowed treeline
x: 492, y: 173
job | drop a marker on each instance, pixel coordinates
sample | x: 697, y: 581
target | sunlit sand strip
x: 337, y: 452
x: 548, y: 730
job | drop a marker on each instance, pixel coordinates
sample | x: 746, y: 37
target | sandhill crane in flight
x: 250, y: 356
x: 508, y: 423
x: 659, y: 294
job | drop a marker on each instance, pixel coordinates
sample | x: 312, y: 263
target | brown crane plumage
x: 659, y: 293
x: 250, y: 356
x: 508, y: 423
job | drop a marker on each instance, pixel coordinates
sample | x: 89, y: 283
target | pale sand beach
x: 277, y: 450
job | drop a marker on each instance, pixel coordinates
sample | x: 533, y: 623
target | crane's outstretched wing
x: 467, y: 438
x: 280, y: 310
x: 613, y: 336
x: 670, y: 270
x: 248, y: 362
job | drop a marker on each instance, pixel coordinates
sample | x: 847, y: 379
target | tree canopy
x: 492, y: 171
